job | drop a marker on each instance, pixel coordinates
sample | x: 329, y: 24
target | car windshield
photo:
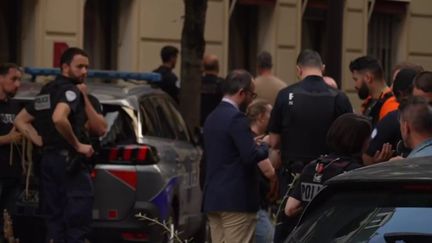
x: 368, y: 217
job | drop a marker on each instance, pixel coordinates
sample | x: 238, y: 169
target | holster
x: 75, y: 162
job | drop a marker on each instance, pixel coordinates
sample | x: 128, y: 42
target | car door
x: 189, y: 155
x: 157, y: 132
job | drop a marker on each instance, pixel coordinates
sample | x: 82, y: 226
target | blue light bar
x: 41, y: 71
x: 105, y: 74
x: 153, y: 77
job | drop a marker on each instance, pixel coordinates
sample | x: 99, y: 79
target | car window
x: 366, y: 217
x: 176, y: 120
x: 153, y: 112
x: 120, y: 127
x: 149, y: 120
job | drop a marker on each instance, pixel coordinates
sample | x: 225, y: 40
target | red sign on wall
x: 59, y: 48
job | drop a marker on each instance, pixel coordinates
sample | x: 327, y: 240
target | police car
x: 147, y: 166
x: 387, y: 202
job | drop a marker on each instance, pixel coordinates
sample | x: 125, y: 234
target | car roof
x: 404, y: 170
x: 107, y: 93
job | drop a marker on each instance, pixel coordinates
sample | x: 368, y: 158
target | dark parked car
x: 147, y: 163
x: 388, y: 202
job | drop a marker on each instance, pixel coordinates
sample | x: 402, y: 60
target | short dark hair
x: 416, y: 111
x: 236, y: 80
x: 5, y: 67
x: 403, y: 83
x: 69, y: 54
x: 309, y: 58
x: 167, y: 52
x: 264, y: 60
x: 367, y: 63
x: 348, y: 134
x: 423, y: 81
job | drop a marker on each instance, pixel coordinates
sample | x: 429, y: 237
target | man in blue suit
x: 231, y: 197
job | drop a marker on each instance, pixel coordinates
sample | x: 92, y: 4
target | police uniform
x: 316, y: 173
x: 10, y: 171
x: 302, y: 115
x: 168, y: 82
x: 386, y: 131
x: 66, y: 194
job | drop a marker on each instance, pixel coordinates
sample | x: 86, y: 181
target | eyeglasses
x: 253, y: 95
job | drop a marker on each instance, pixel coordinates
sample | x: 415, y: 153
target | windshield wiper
x: 407, y: 237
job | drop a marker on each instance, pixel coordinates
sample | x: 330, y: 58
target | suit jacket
x: 231, y: 183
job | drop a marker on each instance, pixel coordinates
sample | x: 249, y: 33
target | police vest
x: 306, y: 120
x: 44, y: 106
x: 318, y: 172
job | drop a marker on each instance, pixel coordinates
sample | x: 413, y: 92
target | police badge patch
x: 374, y: 133
x: 42, y: 102
x: 70, y: 95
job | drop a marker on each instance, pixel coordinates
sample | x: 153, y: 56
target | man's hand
x: 85, y: 149
x: 83, y: 88
x: 396, y: 158
x: 273, y: 194
x: 385, y: 154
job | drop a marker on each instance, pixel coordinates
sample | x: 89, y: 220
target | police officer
x: 169, y: 80
x: 10, y: 166
x: 347, y: 138
x: 302, y: 114
x: 62, y: 115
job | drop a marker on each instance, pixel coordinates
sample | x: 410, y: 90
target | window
x: 385, y: 31
x: 314, y: 29
x: 120, y: 126
x: 177, y: 122
x: 153, y: 112
x: 243, y: 32
x: 101, y: 20
x: 160, y: 118
x: 147, y: 120
x: 382, y: 40
x: 10, y: 31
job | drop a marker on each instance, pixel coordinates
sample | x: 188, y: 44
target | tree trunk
x: 192, y: 51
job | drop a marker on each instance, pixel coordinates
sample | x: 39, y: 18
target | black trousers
x: 9, y: 191
x: 284, y: 224
x: 66, y: 199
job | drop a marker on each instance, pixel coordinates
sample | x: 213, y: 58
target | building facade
x: 128, y: 34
